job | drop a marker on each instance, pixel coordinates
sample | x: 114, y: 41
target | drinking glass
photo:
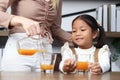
x: 47, y: 62
x: 83, y: 62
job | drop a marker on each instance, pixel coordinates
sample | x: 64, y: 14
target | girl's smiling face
x: 82, y: 34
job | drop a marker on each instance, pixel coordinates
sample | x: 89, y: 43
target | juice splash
x: 82, y: 66
x: 46, y: 67
x: 29, y: 51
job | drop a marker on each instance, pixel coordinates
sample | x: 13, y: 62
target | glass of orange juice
x: 83, y: 62
x: 47, y: 62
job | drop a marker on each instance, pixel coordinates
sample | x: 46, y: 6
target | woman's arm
x: 5, y: 18
x: 9, y: 20
x: 57, y: 32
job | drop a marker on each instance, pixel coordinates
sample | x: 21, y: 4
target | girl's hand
x: 31, y: 27
x: 69, y: 65
x: 95, y: 68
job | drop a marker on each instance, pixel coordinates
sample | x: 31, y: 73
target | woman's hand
x: 31, y: 27
x: 95, y: 68
x: 69, y: 65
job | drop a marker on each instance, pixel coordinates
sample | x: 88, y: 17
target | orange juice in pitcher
x: 29, y: 51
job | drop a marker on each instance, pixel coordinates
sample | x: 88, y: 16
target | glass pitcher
x: 30, y: 45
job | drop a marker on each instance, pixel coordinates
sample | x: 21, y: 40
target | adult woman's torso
x: 38, y: 10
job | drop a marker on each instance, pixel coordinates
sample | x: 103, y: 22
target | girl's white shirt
x: 103, y: 55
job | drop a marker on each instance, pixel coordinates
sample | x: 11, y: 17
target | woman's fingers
x: 34, y: 29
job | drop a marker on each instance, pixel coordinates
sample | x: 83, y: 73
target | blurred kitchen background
x: 70, y: 9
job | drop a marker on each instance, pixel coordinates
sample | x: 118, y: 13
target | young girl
x: 88, y: 36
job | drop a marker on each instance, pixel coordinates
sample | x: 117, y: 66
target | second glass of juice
x: 47, y: 62
x: 83, y: 62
